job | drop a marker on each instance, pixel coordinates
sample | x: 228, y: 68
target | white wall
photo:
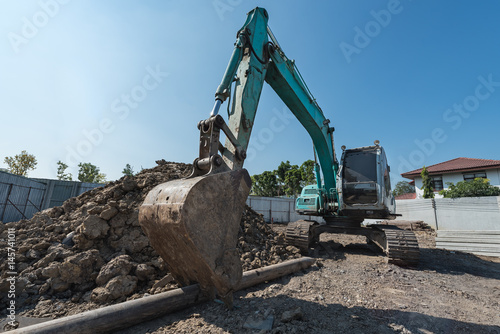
x: 492, y: 174
x: 277, y: 209
x: 417, y: 209
x: 468, y: 213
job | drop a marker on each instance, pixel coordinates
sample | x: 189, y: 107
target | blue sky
x: 116, y: 82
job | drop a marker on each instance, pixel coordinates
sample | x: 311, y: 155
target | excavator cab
x: 311, y: 201
x: 364, y: 183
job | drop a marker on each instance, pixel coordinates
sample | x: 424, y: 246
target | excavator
x: 193, y: 223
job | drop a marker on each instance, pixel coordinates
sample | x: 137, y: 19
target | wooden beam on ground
x: 129, y: 313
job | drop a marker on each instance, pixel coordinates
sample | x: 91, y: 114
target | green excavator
x: 193, y: 223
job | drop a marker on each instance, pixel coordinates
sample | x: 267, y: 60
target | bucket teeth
x: 193, y: 225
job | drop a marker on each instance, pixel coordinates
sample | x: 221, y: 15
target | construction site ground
x: 353, y: 290
x: 91, y: 252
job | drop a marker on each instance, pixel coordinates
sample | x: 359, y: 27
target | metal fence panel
x: 22, y: 197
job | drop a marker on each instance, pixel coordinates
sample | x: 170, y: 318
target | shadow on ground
x: 313, y: 318
x: 457, y: 263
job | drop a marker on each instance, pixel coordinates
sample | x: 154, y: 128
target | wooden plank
x: 129, y: 313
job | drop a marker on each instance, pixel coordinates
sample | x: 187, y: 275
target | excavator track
x: 299, y: 234
x: 400, y: 246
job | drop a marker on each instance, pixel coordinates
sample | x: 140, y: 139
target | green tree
x: 20, y: 164
x: 265, y: 184
x: 293, y: 179
x: 403, y: 187
x: 280, y: 173
x: 128, y: 170
x: 61, y: 168
x: 427, y: 183
x: 476, y: 188
x: 307, y: 173
x: 90, y: 173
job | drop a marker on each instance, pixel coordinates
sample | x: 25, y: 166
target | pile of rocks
x: 92, y: 251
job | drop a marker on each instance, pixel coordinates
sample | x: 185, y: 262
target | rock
x: 295, y: 314
x: 68, y: 240
x: 94, y: 227
x: 119, y: 286
x: 120, y: 265
x: 128, y: 183
x: 33, y: 254
x: 145, y: 272
x: 51, y: 271
x: 58, y: 285
x: 164, y: 281
x: 133, y: 242
x: 108, y: 213
x: 79, y: 267
x: 119, y: 220
x: 41, y: 245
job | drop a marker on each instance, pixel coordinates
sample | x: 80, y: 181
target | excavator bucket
x: 193, y: 225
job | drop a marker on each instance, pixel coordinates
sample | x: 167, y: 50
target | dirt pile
x: 92, y: 251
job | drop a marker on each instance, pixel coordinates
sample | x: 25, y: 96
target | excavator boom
x: 193, y: 223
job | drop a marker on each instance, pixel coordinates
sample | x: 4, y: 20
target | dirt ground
x: 352, y: 289
x: 91, y: 252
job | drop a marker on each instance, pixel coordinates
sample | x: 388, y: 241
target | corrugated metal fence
x: 21, y: 197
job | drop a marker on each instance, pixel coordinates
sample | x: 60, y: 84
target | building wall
x: 494, y: 176
x: 491, y: 174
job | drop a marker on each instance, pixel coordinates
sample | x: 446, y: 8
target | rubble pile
x: 92, y: 251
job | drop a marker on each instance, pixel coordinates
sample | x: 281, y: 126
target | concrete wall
x: 277, y: 209
x: 468, y: 213
x: 469, y: 224
x: 417, y: 209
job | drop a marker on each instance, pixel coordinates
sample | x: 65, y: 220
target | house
x: 456, y: 170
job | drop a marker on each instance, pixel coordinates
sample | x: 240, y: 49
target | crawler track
x: 401, y: 246
x: 299, y: 234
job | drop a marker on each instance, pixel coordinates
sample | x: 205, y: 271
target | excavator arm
x: 193, y: 223
x: 255, y: 59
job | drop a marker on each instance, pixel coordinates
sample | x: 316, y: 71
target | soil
x: 91, y: 252
x: 351, y: 289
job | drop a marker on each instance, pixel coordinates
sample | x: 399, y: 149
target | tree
x: 403, y: 187
x: 280, y: 173
x: 476, y: 188
x: 293, y: 178
x: 427, y: 184
x: 20, y: 164
x: 61, y: 167
x: 90, y: 173
x: 307, y: 173
x: 128, y: 170
x: 265, y: 184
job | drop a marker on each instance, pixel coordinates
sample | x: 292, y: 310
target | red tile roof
x: 455, y: 165
x: 406, y: 196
